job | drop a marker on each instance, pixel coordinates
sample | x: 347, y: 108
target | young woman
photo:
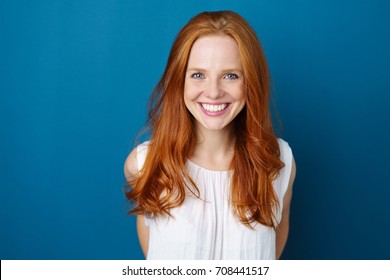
x: 213, y: 182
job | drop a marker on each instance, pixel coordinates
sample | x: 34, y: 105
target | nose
x: 214, y: 89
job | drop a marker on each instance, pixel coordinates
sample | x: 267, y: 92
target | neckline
x: 208, y: 170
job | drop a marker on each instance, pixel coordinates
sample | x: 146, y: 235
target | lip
x: 214, y: 114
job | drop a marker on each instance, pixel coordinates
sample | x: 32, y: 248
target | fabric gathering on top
x: 206, y: 227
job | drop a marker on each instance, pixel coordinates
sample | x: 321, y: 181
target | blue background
x: 75, y: 77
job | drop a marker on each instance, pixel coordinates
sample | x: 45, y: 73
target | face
x: 213, y: 89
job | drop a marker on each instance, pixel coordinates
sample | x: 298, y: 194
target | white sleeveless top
x: 205, y: 227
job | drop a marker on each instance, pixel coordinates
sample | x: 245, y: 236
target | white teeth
x: 214, y: 108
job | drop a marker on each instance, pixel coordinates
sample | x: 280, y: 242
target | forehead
x: 214, y: 48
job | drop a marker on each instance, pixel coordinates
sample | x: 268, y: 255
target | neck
x: 214, y: 148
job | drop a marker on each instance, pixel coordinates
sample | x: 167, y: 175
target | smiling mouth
x: 214, y: 108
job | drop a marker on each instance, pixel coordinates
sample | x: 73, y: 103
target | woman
x: 213, y: 182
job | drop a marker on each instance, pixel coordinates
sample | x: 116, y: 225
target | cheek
x: 190, y: 93
x: 238, y: 94
x: 187, y: 97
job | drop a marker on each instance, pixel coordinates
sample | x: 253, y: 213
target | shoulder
x: 286, y: 155
x: 131, y: 167
x: 135, y: 160
x: 285, y: 180
x: 287, y: 174
x: 284, y: 147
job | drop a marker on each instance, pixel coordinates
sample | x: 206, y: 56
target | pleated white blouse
x: 205, y: 227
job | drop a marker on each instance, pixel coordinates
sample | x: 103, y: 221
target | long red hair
x: 162, y: 183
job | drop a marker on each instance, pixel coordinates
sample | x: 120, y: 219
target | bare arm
x: 283, y: 228
x: 143, y: 234
x: 131, y: 171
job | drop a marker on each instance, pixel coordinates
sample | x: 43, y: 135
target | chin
x: 215, y: 127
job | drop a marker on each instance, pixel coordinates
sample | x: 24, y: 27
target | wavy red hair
x: 162, y: 183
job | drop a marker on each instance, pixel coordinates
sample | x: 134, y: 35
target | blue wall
x: 74, y: 81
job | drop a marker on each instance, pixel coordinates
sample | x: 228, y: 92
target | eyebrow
x: 196, y: 69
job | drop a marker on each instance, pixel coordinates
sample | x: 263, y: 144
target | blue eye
x: 231, y: 76
x: 197, y: 76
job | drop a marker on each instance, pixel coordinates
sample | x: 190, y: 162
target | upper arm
x: 131, y: 166
x: 283, y: 227
x: 288, y: 194
x: 131, y: 170
x: 143, y: 234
